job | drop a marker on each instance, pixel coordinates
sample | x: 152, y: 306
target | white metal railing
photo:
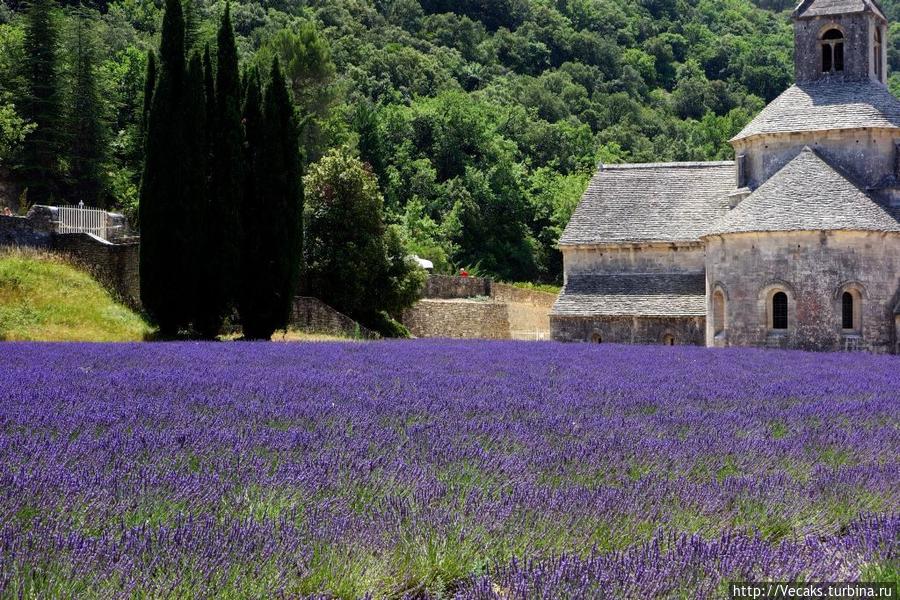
x: 78, y: 219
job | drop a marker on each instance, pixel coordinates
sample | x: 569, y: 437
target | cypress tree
x: 164, y: 238
x: 149, y: 86
x: 85, y: 131
x: 42, y: 106
x: 223, y: 240
x: 280, y: 206
x: 196, y: 184
x: 254, y: 286
x: 210, y: 87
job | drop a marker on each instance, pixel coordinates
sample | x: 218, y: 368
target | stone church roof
x: 633, y: 294
x: 826, y: 105
x: 823, y: 8
x: 659, y: 202
x: 807, y: 194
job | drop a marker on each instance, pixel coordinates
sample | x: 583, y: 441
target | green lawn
x: 44, y: 298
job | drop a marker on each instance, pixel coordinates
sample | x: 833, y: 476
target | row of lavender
x: 432, y: 469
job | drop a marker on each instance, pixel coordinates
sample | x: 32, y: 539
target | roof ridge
x: 668, y: 165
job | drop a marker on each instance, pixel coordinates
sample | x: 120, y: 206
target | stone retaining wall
x: 314, y: 316
x: 529, y: 310
x: 474, y: 307
x: 116, y: 266
x: 20, y: 231
x: 503, y: 292
x: 458, y: 319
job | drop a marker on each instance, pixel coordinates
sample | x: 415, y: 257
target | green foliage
x: 13, y: 129
x: 41, y: 169
x: 307, y: 65
x: 85, y: 131
x: 354, y: 261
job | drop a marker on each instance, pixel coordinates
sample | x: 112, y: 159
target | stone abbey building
x: 794, y: 244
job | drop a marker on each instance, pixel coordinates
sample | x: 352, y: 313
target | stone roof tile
x: 822, y: 8
x: 666, y: 202
x: 807, y: 194
x: 633, y: 294
x: 825, y: 105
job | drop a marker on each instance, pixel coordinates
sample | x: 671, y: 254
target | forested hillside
x: 482, y: 120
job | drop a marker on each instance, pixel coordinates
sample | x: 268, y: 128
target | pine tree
x: 42, y: 104
x: 164, y: 239
x: 85, y: 131
x: 223, y: 242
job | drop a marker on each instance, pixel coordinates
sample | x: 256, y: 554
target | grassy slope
x: 43, y: 298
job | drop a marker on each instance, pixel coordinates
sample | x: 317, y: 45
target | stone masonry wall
x: 19, y: 231
x: 116, y: 266
x: 314, y: 316
x: 813, y: 269
x: 450, y: 286
x: 868, y: 155
x: 502, y: 292
x: 629, y: 330
x: 458, y: 318
x: 858, y: 31
x: 528, y: 310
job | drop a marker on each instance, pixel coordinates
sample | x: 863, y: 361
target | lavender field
x: 441, y: 469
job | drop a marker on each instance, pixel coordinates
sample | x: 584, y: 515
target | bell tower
x: 839, y: 40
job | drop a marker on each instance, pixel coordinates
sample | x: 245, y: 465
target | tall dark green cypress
x: 41, y: 104
x: 196, y: 182
x: 273, y: 251
x: 165, y: 247
x: 85, y: 131
x: 149, y: 86
x: 210, y: 87
x: 222, y: 253
x: 253, y: 289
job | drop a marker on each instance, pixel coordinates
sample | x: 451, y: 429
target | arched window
x: 597, y: 338
x: 851, y: 310
x: 876, y: 55
x: 718, y: 312
x: 779, y: 311
x: 668, y: 340
x: 832, y: 51
x: 847, y: 311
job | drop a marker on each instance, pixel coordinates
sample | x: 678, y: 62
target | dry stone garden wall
x: 472, y: 307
